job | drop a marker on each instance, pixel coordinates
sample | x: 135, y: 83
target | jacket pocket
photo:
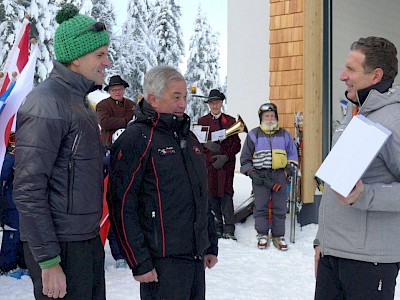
x: 149, y: 221
x: 155, y: 231
x: 279, y: 159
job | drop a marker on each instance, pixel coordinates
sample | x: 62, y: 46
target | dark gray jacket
x: 58, y: 168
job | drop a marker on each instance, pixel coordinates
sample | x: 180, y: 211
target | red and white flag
x: 17, y: 57
x: 23, y: 85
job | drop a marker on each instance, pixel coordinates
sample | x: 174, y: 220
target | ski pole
x: 292, y: 199
x: 270, y: 221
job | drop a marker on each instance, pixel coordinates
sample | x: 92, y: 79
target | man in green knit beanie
x: 58, y: 185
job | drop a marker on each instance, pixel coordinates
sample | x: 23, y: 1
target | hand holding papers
x: 352, y: 154
x: 201, y: 132
x: 218, y: 135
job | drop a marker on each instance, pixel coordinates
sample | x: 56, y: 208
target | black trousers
x: 83, y: 265
x: 339, y: 278
x: 179, y: 278
x: 224, y: 213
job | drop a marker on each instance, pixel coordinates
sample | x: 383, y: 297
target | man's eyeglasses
x: 96, y: 27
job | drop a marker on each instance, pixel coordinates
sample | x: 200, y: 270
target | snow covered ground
x: 243, y: 271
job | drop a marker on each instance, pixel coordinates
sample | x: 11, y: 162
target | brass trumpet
x: 238, y: 127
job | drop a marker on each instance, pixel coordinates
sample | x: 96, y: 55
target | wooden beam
x: 312, y: 134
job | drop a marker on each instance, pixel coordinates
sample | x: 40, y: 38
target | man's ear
x: 151, y: 98
x: 74, y: 65
x: 378, y: 75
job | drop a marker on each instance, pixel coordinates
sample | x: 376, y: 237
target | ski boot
x: 280, y: 243
x: 263, y: 241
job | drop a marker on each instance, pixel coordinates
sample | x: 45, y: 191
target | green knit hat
x: 75, y: 36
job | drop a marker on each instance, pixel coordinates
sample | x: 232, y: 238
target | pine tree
x: 137, y: 47
x: 169, y: 34
x: 12, y: 14
x: 86, y: 7
x: 203, y: 65
x: 103, y: 11
x: 42, y: 14
x: 177, y: 13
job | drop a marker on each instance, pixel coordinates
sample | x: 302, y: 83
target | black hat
x: 215, y: 95
x: 116, y: 80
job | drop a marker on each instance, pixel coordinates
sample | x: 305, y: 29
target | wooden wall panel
x: 286, y: 58
x: 296, y: 76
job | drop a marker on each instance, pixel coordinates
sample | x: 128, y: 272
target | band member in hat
x: 116, y: 111
x: 220, y: 159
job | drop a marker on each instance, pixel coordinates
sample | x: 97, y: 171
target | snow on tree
x: 11, y: 17
x: 224, y: 89
x: 137, y: 48
x: 103, y: 11
x: 85, y: 7
x: 169, y: 33
x: 153, y: 10
x: 42, y: 14
x: 203, y: 65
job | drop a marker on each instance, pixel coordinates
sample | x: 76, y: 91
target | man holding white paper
x: 357, y: 248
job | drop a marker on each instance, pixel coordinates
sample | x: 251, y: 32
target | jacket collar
x: 75, y: 80
x: 145, y: 113
x: 382, y: 87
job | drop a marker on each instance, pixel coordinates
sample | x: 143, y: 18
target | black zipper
x: 153, y: 217
x: 71, y: 171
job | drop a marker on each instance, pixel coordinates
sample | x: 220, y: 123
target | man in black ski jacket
x: 159, y: 195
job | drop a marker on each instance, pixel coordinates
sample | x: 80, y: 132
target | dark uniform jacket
x: 159, y: 194
x: 221, y: 181
x: 113, y: 115
x: 58, y: 182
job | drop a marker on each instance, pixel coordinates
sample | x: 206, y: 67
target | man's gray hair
x: 157, y: 79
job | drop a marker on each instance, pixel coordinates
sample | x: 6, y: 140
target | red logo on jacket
x: 119, y: 154
x: 166, y: 151
x: 197, y: 150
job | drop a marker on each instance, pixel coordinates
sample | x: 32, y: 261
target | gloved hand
x: 259, y: 179
x: 212, y: 146
x: 220, y: 160
x: 256, y: 177
x: 271, y: 185
x: 290, y: 169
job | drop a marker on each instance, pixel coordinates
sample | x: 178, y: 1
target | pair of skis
x: 295, y: 202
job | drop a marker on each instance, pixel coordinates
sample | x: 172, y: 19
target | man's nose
x: 107, y: 61
x: 182, y: 102
x: 343, y: 76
